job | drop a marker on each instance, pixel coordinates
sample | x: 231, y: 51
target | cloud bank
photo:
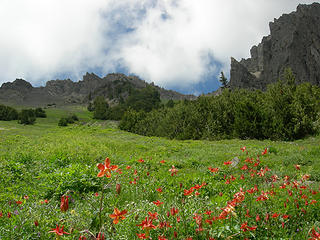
x: 174, y: 43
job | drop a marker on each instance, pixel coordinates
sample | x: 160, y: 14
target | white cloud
x: 169, y: 42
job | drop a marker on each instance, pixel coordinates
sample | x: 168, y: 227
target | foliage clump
x: 64, y: 121
x: 27, y: 116
x: 8, y: 113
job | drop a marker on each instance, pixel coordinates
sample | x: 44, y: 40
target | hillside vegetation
x: 286, y: 111
x: 166, y: 189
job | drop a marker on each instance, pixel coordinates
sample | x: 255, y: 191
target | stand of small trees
x: 64, y: 121
x: 286, y: 111
x: 8, y: 113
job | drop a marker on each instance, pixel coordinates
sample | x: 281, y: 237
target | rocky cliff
x: 294, y: 42
x: 113, y: 87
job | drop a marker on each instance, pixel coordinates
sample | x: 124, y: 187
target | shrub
x: 40, y: 113
x: 63, y: 122
x: 8, y: 113
x: 27, y: 116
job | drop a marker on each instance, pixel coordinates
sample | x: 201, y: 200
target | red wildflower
x: 188, y: 192
x: 64, y: 205
x: 214, y: 170
x: 106, y: 168
x: 243, y: 149
x: 36, y: 223
x: 173, y: 170
x: 314, y: 235
x: 162, y: 238
x: 153, y: 215
x: 164, y: 225
x: 128, y: 167
x: 275, y: 215
x: 162, y: 161
x: 244, y: 167
x: 159, y: 190
x: 100, y: 236
x: 1, y: 214
x: 158, y: 203
x: 147, y: 224
x: 141, y: 160
x: 26, y: 197
x: 142, y: 236
x: 174, y: 211
x: 227, y: 163
x: 117, y: 215
x: 82, y: 238
x: 245, y: 227
x: 58, y: 231
x: 18, y: 202
x: 9, y: 214
x: 297, y: 166
x: 264, y: 152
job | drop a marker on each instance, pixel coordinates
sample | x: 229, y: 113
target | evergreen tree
x: 100, y: 108
x: 223, y: 80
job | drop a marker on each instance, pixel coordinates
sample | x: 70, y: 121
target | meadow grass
x: 44, y: 162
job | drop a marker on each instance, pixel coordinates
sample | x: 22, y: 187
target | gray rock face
x: 294, y: 42
x: 113, y: 87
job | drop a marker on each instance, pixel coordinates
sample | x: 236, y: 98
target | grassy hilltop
x: 269, y: 192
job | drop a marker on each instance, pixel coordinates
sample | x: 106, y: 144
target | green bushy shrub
x: 27, y: 116
x: 8, y: 113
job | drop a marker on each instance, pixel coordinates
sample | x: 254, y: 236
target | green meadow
x: 40, y: 163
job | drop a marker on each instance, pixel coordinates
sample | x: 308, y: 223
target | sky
x: 177, y: 44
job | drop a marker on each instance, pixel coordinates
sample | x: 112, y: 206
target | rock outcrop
x: 113, y: 87
x: 294, y: 42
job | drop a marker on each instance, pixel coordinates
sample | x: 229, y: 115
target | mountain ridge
x: 294, y: 42
x: 113, y: 87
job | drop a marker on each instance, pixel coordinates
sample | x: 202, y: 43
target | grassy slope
x: 43, y: 160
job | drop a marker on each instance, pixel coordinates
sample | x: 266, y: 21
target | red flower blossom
x: 297, y: 166
x: 64, y: 205
x: 227, y: 163
x: 162, y: 161
x: 243, y: 149
x: 147, y: 224
x: 159, y: 190
x: 142, y: 236
x: 36, y: 223
x: 162, y: 238
x: 100, y: 236
x: 153, y: 215
x: 314, y: 235
x: 58, y: 231
x: 173, y: 170
x: 18, y: 202
x: 188, y: 192
x: 117, y: 215
x: 214, y: 170
x: 174, y: 211
x: 141, y: 160
x: 82, y: 238
x: 158, y: 203
x: 245, y: 227
x: 265, y: 151
x: 106, y: 168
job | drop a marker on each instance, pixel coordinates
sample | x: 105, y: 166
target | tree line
x: 286, y: 111
x: 25, y: 116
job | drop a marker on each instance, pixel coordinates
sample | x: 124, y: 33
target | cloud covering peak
x: 174, y: 43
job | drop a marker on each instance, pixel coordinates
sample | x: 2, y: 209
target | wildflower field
x: 93, y: 181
